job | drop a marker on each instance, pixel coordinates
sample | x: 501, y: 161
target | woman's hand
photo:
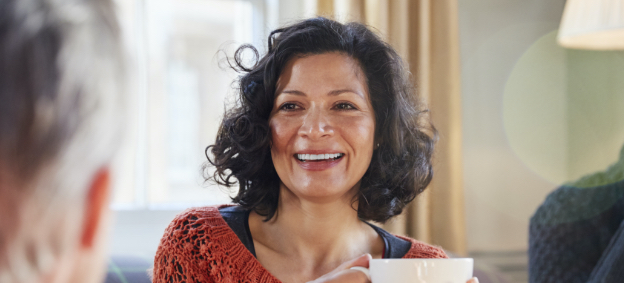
x: 473, y: 280
x: 343, y: 273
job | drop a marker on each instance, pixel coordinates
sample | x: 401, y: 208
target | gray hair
x: 60, y: 114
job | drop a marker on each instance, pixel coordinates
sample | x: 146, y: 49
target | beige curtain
x: 425, y: 33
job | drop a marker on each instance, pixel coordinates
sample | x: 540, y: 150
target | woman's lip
x: 315, y: 165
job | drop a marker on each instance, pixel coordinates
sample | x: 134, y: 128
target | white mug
x: 421, y: 270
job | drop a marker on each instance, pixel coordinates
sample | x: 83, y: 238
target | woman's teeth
x: 319, y: 157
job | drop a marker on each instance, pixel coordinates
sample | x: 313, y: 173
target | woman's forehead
x: 327, y: 72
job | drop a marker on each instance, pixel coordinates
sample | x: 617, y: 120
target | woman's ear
x: 95, y: 206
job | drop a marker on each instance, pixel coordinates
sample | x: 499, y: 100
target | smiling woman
x: 327, y: 134
x: 400, y: 167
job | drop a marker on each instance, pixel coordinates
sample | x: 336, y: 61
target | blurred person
x: 60, y: 111
x: 577, y: 233
x: 327, y: 134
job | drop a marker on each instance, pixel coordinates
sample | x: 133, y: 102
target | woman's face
x: 322, y: 126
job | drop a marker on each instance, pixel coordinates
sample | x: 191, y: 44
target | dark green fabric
x: 572, y: 231
x: 610, y: 268
x: 613, y: 174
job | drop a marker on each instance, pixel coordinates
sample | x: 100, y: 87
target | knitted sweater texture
x: 199, y: 246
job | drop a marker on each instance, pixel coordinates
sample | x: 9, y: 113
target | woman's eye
x: 289, y: 106
x: 345, y: 106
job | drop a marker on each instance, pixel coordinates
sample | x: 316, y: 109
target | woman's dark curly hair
x: 400, y: 167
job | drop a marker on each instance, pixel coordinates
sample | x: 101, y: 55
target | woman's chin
x: 322, y: 193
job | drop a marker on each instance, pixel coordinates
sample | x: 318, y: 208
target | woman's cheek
x: 282, y: 130
x: 359, y: 129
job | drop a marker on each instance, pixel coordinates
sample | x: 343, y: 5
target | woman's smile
x: 322, y: 125
x: 318, y: 157
x: 309, y: 160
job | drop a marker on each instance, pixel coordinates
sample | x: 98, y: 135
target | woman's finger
x: 473, y: 280
x: 350, y: 275
x: 344, y: 273
x: 362, y: 261
x: 363, y: 270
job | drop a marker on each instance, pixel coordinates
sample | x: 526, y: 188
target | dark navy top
x: 238, y: 220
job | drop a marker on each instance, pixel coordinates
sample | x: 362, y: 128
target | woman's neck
x: 316, y: 234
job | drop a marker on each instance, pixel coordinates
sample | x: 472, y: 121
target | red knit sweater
x: 199, y: 246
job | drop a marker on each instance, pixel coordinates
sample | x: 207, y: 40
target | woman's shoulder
x: 206, y: 221
x: 405, y: 247
x: 207, y: 212
x: 422, y: 250
x: 192, y: 242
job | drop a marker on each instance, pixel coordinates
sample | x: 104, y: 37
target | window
x: 180, y: 83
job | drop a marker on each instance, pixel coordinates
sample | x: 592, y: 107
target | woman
x: 326, y: 134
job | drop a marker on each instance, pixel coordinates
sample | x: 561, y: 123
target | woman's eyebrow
x: 339, y: 91
x: 331, y: 93
x: 295, y: 92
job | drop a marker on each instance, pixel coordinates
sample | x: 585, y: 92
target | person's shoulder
x: 569, y: 204
x: 196, y: 219
x: 204, y: 211
x: 198, y: 223
x: 190, y: 244
x: 422, y: 250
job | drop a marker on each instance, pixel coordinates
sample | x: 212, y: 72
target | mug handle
x: 363, y: 270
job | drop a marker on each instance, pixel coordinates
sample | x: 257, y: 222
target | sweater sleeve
x: 180, y: 257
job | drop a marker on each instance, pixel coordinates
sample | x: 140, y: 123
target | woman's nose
x: 316, y: 125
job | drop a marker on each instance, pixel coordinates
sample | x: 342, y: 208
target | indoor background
x: 518, y: 115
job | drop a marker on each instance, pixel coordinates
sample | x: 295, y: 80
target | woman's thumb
x: 362, y: 261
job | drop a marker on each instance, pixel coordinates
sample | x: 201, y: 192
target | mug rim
x: 424, y: 259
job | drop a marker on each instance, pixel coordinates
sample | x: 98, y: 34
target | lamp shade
x: 592, y: 24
